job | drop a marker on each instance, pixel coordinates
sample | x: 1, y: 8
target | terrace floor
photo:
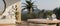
x: 24, y: 23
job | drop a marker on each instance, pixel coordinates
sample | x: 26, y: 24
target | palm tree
x: 4, y: 6
x: 57, y: 12
x: 29, y: 5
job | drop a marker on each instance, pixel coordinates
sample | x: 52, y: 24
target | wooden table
x: 43, y: 21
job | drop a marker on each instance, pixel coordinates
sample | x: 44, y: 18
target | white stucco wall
x: 9, y: 19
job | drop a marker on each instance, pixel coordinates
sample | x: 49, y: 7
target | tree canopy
x: 57, y: 12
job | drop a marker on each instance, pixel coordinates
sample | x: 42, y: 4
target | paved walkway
x: 24, y: 23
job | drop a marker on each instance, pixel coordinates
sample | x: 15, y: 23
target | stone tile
x: 7, y: 25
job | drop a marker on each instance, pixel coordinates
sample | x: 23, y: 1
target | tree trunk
x: 30, y: 10
x: 30, y: 13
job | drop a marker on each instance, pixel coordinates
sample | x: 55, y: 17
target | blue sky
x: 1, y: 6
x: 46, y: 4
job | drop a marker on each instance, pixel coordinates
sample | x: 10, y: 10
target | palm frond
x: 24, y: 9
x: 24, y: 3
x: 34, y: 6
x: 23, y: 6
x: 30, y: 0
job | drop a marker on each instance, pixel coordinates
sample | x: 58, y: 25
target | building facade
x: 9, y: 16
